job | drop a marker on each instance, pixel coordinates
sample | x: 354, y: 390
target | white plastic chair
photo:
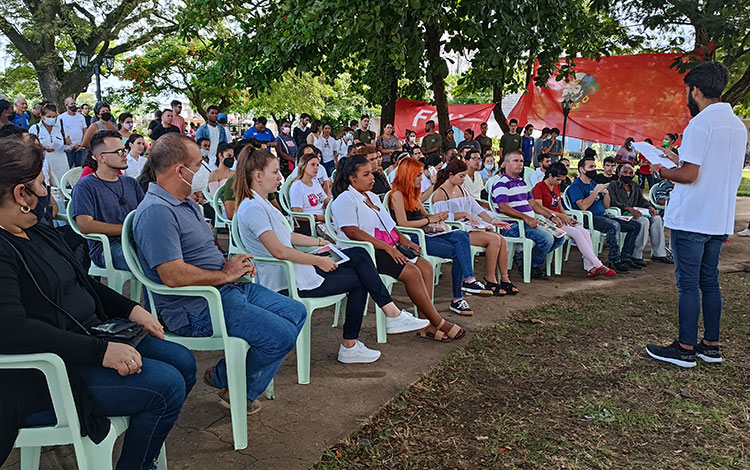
x: 222, y: 221
x: 235, y: 349
x: 68, y: 181
x: 287, y: 206
x: 311, y: 304
x: 67, y: 430
x: 116, y: 278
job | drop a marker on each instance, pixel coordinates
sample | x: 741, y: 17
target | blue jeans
x: 153, y: 399
x: 696, y: 260
x: 643, y: 178
x: 454, y: 245
x: 329, y: 166
x: 75, y: 158
x: 268, y: 321
x: 357, y: 278
x: 612, y: 228
x: 544, y: 242
x: 118, y: 258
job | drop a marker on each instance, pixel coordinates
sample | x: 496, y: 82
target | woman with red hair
x: 441, y: 242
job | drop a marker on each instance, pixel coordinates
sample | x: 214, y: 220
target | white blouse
x: 350, y: 210
x: 466, y: 204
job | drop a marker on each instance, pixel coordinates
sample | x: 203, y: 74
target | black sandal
x: 508, y: 287
x: 495, y: 288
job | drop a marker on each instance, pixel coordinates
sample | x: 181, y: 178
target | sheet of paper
x: 654, y: 155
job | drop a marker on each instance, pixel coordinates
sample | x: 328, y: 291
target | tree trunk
x: 438, y: 70
x: 388, y: 105
x: 739, y: 90
x: 497, y: 112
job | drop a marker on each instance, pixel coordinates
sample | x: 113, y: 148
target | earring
x: 25, y: 209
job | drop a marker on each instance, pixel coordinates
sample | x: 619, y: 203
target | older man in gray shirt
x: 176, y: 248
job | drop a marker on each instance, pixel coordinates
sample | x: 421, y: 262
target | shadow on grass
x: 568, y: 385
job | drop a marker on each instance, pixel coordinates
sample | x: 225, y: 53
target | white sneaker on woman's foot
x: 744, y: 233
x: 405, y: 322
x: 357, y: 354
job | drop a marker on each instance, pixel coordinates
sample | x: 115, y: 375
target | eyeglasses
x: 475, y: 158
x: 119, y: 152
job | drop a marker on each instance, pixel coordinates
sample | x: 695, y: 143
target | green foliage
x: 179, y: 67
x: 20, y: 80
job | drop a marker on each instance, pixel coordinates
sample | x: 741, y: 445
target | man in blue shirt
x: 527, y: 144
x: 586, y: 195
x: 260, y: 132
x: 176, y: 248
x: 103, y: 199
x: 21, y: 117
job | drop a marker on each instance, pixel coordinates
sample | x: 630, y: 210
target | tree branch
x: 86, y: 13
x: 29, y: 50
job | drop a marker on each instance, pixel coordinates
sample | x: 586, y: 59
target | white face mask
x: 412, y: 138
x: 285, y: 130
x: 200, y: 179
x: 50, y: 121
x: 127, y: 126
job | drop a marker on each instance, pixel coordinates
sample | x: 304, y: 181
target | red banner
x: 412, y: 115
x: 616, y: 97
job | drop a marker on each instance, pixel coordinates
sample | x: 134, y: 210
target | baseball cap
x: 222, y: 117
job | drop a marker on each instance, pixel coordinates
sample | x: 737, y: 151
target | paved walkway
x: 292, y: 431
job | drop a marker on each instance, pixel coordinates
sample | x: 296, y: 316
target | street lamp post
x: 567, y: 105
x: 108, y: 62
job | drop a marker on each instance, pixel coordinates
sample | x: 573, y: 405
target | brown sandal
x: 456, y: 332
x: 436, y: 336
x: 207, y: 377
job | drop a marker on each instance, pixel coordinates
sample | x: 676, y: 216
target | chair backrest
x: 69, y: 180
x: 566, y: 200
x: 130, y: 253
x: 217, y: 201
x: 330, y: 226
x: 652, y: 197
x: 387, y: 200
x: 284, y: 195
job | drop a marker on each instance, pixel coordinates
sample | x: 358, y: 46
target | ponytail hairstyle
x: 249, y: 161
x: 453, y: 167
x: 556, y: 169
x: 408, y: 170
x: 347, y: 168
x: 302, y: 165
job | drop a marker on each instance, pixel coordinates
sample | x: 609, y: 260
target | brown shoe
x: 253, y: 406
x: 207, y: 377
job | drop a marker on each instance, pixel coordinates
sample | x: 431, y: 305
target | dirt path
x: 292, y: 431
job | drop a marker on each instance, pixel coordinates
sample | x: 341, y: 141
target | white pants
x: 653, y: 227
x: 582, y: 237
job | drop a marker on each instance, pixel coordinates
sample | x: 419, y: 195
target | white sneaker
x: 358, y: 354
x: 405, y: 322
x: 744, y: 233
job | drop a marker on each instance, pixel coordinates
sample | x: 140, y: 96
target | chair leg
x: 336, y: 312
x: 99, y: 456
x: 527, y: 262
x: 567, y: 250
x: 236, y: 359
x: 30, y: 457
x: 162, y: 461
x: 270, y: 392
x: 303, y: 352
x: 380, y: 319
x: 559, y: 260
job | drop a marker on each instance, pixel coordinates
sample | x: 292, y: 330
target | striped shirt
x: 514, y: 192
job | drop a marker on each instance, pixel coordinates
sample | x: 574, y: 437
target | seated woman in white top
x: 358, y: 214
x: 224, y: 164
x: 451, y: 197
x: 306, y: 195
x: 264, y: 231
x: 135, y: 146
x: 322, y: 176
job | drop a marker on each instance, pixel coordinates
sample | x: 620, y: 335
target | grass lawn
x: 745, y: 184
x: 570, y: 386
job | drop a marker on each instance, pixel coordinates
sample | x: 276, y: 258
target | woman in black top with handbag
x: 49, y: 304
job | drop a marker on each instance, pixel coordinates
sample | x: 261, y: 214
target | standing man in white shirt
x: 473, y: 183
x: 73, y: 126
x: 700, y: 213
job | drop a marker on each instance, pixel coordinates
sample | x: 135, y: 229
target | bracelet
x: 427, y: 218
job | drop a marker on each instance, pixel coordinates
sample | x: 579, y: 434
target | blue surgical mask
x: 489, y: 167
x: 204, y: 153
x: 50, y: 121
x: 349, y: 136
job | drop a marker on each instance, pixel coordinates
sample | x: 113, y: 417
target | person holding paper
x: 264, y: 232
x: 627, y: 196
x: 701, y: 211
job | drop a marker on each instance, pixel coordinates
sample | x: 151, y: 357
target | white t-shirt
x: 52, y: 139
x: 74, y: 126
x: 321, y: 177
x: 310, y: 199
x: 342, y: 148
x: 327, y: 147
x: 257, y: 216
x: 350, y: 210
x: 536, y: 176
x: 715, y: 140
x: 135, y: 167
x: 474, y: 186
x: 213, y: 136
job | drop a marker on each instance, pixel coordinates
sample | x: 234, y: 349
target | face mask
x: 285, y: 130
x: 73, y: 108
x: 626, y: 179
x: 107, y: 117
x: 489, y: 167
x: 229, y: 162
x: 50, y: 121
x: 349, y: 136
x: 204, y: 153
x: 127, y: 126
x: 200, y: 179
x: 691, y: 104
x: 591, y: 174
x: 412, y: 138
x: 666, y: 143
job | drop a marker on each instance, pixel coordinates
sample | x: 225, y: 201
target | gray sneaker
x: 405, y: 322
x: 358, y: 354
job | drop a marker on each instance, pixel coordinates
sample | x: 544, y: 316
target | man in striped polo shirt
x: 514, y: 199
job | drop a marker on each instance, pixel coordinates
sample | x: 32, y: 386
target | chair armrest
x: 310, y: 219
x: 344, y: 243
x: 521, y: 226
x: 456, y: 223
x: 288, y: 268
x: 421, y: 239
